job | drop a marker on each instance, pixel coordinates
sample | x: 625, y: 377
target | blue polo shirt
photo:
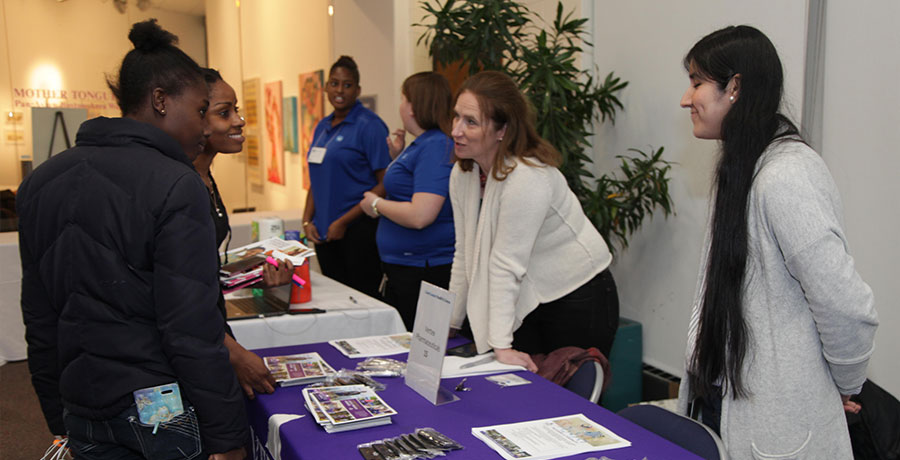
x: 354, y: 150
x: 423, y: 167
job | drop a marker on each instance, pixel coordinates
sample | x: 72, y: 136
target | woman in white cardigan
x: 782, y: 326
x: 529, y: 269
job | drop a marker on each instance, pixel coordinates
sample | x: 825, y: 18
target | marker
x: 297, y: 280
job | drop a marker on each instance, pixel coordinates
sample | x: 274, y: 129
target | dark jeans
x: 402, y: 288
x: 586, y: 317
x: 353, y: 260
x: 125, y: 437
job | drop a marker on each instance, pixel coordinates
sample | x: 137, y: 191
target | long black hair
x: 745, y: 54
x: 155, y: 62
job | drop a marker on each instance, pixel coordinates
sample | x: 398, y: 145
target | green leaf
x: 504, y: 35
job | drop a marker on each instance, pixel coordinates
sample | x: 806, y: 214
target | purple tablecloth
x: 486, y: 404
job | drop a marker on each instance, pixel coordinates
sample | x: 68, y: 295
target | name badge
x: 316, y: 155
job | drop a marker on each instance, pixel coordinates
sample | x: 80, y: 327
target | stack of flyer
x: 244, y: 265
x: 376, y: 345
x: 549, y: 438
x: 348, y: 407
x: 297, y: 369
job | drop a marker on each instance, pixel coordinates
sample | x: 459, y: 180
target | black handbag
x: 875, y: 430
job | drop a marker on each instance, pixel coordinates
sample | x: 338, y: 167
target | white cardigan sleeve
x: 522, y: 206
x: 459, y: 284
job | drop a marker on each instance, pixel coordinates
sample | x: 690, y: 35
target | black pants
x: 402, y: 288
x: 125, y: 437
x: 586, y: 317
x: 353, y: 260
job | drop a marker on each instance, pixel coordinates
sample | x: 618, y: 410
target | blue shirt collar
x: 428, y: 134
x: 351, y: 116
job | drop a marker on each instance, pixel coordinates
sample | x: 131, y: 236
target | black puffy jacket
x: 119, y: 282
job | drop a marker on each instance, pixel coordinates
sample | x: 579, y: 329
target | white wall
x: 223, y: 49
x: 273, y: 40
x: 83, y: 41
x: 644, y: 42
x: 364, y: 30
x: 860, y: 145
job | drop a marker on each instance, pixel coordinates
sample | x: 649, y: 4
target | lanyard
x: 315, y: 141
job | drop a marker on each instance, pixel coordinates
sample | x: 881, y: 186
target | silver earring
x: 731, y: 98
x: 162, y: 111
x: 242, y: 118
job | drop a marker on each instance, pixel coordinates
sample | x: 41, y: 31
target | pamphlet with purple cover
x: 297, y: 369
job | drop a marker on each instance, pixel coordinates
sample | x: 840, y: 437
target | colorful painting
x: 274, y: 149
x: 250, y: 110
x: 312, y: 110
x: 290, y: 124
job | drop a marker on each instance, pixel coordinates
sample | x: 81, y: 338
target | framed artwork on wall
x: 289, y: 125
x: 370, y: 102
x: 274, y: 148
x: 251, y: 93
x: 312, y: 110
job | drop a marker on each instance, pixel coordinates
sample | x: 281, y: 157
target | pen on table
x: 297, y: 280
x: 479, y: 362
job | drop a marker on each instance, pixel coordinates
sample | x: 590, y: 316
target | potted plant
x: 501, y: 35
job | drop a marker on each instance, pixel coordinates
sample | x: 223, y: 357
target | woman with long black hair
x: 782, y: 326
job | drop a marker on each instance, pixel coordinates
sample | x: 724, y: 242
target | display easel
x: 45, y: 123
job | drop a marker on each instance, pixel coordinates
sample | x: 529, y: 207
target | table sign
x: 429, y: 344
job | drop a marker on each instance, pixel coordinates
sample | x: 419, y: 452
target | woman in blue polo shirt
x: 415, y: 235
x: 348, y: 156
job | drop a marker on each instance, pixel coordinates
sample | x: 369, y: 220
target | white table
x: 241, y: 224
x: 344, y: 318
x: 12, y: 328
x: 349, y: 313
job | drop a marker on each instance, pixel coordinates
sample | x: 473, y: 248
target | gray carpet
x: 23, y: 432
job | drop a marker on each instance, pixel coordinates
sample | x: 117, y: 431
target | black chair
x: 683, y: 431
x: 587, y: 381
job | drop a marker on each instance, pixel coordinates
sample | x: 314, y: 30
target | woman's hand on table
x: 510, y: 356
x: 278, y: 276
x: 251, y: 371
x: 312, y: 233
x: 366, y: 203
x: 396, y: 141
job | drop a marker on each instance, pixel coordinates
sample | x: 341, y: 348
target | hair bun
x: 148, y: 36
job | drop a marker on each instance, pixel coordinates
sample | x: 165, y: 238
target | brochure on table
x: 245, y: 264
x: 348, y: 407
x: 376, y: 345
x: 549, y: 438
x: 457, y: 366
x: 429, y: 344
x: 300, y: 368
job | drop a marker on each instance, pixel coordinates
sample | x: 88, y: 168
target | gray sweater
x: 811, y: 317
